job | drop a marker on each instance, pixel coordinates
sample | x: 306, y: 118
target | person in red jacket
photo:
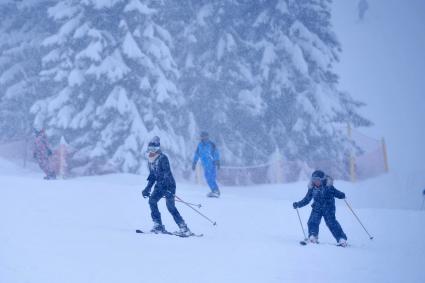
x: 42, y: 153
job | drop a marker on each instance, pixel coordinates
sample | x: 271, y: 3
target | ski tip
x: 371, y: 238
x: 215, y: 223
x: 139, y: 231
x: 303, y: 243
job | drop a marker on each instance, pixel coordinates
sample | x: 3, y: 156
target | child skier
x: 323, y: 193
x: 42, y: 153
x: 160, y: 173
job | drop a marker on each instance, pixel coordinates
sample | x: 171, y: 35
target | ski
x: 149, y: 232
x: 170, y: 233
x: 187, y: 236
x: 305, y: 242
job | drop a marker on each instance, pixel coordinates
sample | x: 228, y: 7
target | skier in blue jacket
x: 323, y: 193
x: 165, y: 186
x: 210, y: 159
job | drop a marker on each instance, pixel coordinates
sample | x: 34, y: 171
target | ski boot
x: 214, y: 194
x: 313, y: 239
x: 158, y: 228
x: 184, y: 231
x: 342, y: 243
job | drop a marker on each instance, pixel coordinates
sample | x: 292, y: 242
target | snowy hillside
x: 82, y: 230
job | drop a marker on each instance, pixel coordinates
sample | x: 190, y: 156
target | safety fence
x: 371, y: 161
x: 21, y: 151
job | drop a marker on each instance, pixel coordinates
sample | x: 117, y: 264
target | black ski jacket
x: 323, y: 197
x: 160, y: 173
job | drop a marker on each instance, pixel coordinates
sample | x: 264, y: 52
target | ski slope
x: 82, y: 230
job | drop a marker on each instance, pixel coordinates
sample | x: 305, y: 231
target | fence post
x: 279, y: 171
x: 352, y: 158
x: 384, y: 149
x: 62, y: 152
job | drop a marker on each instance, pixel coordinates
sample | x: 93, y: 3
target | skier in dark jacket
x: 42, y: 153
x: 210, y: 159
x: 323, y: 193
x: 165, y: 186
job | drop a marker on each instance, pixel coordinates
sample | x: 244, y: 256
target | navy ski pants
x: 329, y: 216
x: 156, y: 195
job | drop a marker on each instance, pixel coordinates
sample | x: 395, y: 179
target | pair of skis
x: 170, y: 233
x: 306, y: 241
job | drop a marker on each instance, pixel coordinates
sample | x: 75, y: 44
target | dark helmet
x: 204, y: 134
x: 154, y: 145
x: 318, y: 175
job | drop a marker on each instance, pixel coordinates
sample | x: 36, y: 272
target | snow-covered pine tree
x: 23, y: 25
x: 217, y: 76
x: 306, y: 114
x: 259, y: 75
x: 111, y: 84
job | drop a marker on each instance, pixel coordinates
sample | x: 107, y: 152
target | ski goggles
x: 314, y: 179
x: 153, y: 148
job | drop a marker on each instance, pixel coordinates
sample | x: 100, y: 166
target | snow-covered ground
x: 82, y: 230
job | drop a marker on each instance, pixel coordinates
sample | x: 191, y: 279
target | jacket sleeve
x: 306, y: 199
x: 338, y: 194
x: 151, y: 180
x: 196, y: 156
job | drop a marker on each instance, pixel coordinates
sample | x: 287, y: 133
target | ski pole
x: 301, y: 223
x: 182, y: 201
x: 370, y: 237
x: 192, y: 204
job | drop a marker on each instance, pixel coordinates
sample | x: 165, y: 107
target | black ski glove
x: 295, y: 205
x: 146, y: 192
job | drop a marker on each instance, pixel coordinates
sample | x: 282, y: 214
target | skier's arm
x: 151, y: 181
x: 338, y: 194
x: 147, y: 191
x: 306, y: 199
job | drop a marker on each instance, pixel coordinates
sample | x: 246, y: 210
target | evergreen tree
x: 111, y: 84
x: 110, y: 74
x: 262, y: 73
x: 22, y: 29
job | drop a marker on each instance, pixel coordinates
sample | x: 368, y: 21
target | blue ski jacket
x: 208, y: 153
